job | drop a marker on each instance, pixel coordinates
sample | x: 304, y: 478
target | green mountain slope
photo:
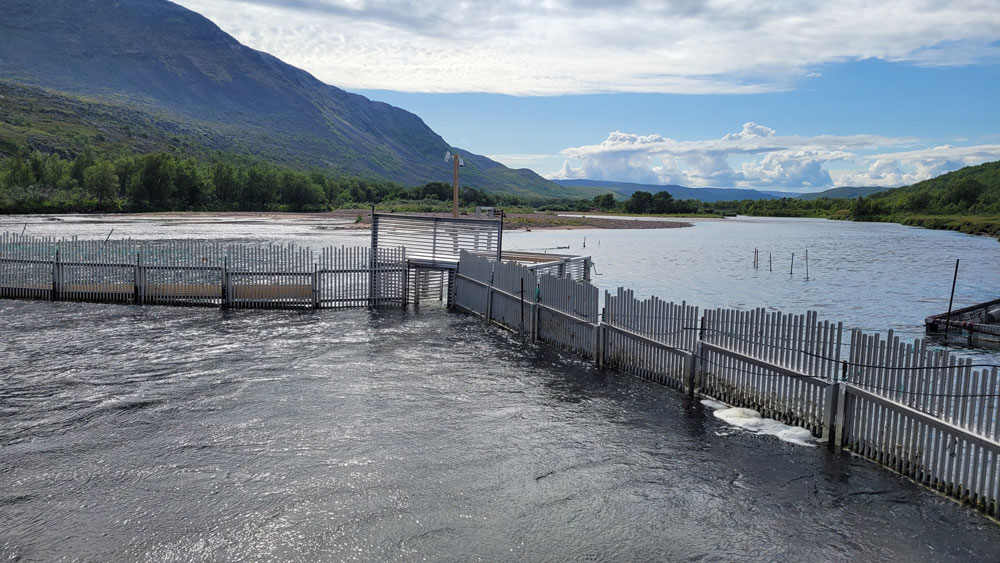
x: 626, y: 189
x: 847, y: 192
x: 162, y: 62
x: 974, y: 189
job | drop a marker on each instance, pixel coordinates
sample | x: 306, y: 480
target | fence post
x: 135, y: 281
x: 534, y: 317
x: 597, y: 343
x: 691, y: 369
x: 535, y: 309
x: 830, y: 414
x: 599, y: 348
x: 840, y: 410
x: 489, y: 301
x: 312, y: 288
x: 406, y: 284
x: 522, y: 307
x: 372, y: 259
x: 226, y: 297
x: 700, y: 352
x: 55, y: 277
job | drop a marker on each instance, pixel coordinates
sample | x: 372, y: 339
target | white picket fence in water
x: 781, y: 364
x: 649, y: 338
x: 923, y: 413
x: 202, y: 273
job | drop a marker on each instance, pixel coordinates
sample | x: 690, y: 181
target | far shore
x: 351, y: 219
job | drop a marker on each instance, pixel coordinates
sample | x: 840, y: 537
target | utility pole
x: 457, y: 160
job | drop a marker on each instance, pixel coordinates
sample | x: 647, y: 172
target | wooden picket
x: 781, y: 365
x: 567, y: 314
x: 934, y: 382
x: 473, y: 283
x: 962, y: 464
x: 652, y: 339
x: 206, y: 273
x: 514, y: 289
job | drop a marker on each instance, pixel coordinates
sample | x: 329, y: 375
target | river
x: 175, y: 434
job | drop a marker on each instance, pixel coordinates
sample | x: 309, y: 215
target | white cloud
x: 750, y: 131
x: 513, y: 160
x: 572, y: 46
x: 797, y: 168
x: 908, y: 167
x: 766, y: 160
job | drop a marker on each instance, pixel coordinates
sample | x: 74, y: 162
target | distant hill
x: 844, y: 192
x: 626, y: 189
x: 162, y: 64
x: 971, y: 186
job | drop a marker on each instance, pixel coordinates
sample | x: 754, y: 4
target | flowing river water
x: 176, y: 434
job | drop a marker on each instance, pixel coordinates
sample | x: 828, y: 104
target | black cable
x: 862, y: 385
x: 748, y: 372
x: 922, y: 394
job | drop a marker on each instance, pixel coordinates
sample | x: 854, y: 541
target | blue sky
x: 776, y: 95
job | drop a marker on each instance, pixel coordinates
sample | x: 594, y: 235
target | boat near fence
x: 978, y: 324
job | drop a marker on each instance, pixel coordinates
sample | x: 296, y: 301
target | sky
x: 782, y: 95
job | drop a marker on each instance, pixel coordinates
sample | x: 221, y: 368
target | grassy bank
x: 970, y: 224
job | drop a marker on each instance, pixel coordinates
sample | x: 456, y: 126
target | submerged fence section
x: 649, y: 338
x: 923, y: 413
x: 926, y: 414
x: 200, y: 273
x: 782, y: 365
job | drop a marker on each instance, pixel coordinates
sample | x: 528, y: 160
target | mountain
x: 966, y: 185
x: 626, y: 189
x: 846, y: 192
x: 155, y: 61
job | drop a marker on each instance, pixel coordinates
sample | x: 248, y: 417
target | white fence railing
x: 928, y: 415
x: 200, y: 273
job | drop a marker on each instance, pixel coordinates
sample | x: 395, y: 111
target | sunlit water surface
x: 174, y: 434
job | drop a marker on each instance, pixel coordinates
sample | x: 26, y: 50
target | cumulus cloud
x: 907, y: 167
x: 580, y: 46
x: 750, y: 130
x: 766, y: 160
x: 797, y: 168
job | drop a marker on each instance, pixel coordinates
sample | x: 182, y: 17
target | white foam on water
x: 751, y: 420
x: 714, y: 405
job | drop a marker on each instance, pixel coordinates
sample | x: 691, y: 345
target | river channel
x: 188, y: 434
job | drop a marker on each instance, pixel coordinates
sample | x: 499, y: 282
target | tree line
x: 971, y: 191
x: 35, y: 182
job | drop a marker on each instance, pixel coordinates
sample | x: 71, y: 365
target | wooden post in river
x: 951, y: 301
